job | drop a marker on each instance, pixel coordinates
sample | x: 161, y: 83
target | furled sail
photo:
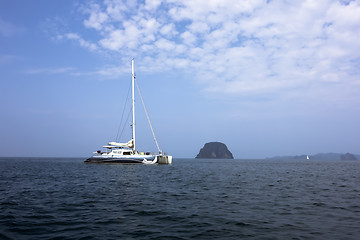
x: 129, y: 144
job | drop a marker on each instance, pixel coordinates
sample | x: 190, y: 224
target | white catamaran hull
x: 151, y: 159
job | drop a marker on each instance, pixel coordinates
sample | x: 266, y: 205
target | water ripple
x: 191, y: 199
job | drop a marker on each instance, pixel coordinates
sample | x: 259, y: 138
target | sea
x: 64, y: 198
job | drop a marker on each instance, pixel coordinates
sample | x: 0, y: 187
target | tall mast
x: 133, y: 101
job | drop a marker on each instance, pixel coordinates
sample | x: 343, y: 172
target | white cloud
x: 116, y: 9
x: 168, y: 30
x: 199, y: 27
x: 152, y: 4
x: 114, y: 41
x: 97, y: 18
x: 188, y: 38
x: 165, y: 44
x: 81, y: 41
x: 235, y: 46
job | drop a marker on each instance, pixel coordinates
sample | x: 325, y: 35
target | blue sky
x: 265, y: 77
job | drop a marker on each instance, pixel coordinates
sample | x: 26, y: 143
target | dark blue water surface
x: 51, y: 198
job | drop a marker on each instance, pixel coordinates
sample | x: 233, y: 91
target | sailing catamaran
x: 126, y: 152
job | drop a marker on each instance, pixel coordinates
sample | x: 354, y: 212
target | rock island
x: 215, y: 150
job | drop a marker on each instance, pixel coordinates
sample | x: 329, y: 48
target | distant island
x: 321, y: 156
x: 348, y: 156
x: 215, y: 150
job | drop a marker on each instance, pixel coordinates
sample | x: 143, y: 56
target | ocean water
x: 53, y: 198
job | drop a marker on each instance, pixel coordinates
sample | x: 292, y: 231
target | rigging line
x: 122, y: 116
x: 128, y: 116
x: 152, y: 130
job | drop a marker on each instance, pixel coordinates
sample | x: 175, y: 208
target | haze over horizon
x: 265, y: 77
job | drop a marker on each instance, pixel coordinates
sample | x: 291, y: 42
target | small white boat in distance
x: 307, y: 157
x: 126, y: 152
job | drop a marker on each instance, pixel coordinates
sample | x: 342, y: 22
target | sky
x: 265, y: 77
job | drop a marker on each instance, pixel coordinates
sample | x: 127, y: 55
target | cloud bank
x: 231, y: 46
